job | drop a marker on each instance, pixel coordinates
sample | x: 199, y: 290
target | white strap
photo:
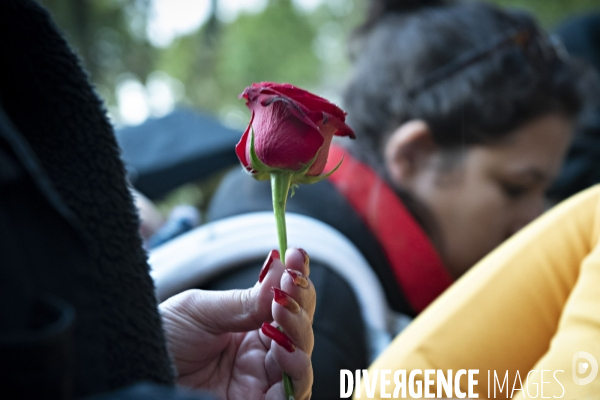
x: 208, y: 250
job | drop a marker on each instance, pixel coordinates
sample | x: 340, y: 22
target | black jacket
x: 78, y: 314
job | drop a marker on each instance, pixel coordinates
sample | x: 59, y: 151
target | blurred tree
x: 109, y: 36
x: 283, y: 42
x: 275, y: 45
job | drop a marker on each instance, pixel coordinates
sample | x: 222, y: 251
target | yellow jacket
x: 528, y: 312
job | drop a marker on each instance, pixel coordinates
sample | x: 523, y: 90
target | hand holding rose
x: 287, y: 141
x: 218, y: 341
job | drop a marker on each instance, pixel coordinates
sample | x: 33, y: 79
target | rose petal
x: 307, y: 99
x: 290, y: 126
x: 240, y: 147
x: 341, y: 129
x: 301, y: 112
x: 284, y: 138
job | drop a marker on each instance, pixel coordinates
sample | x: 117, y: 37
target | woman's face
x: 490, y: 192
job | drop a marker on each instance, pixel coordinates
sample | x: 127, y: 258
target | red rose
x: 290, y: 125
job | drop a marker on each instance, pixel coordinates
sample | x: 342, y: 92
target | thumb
x: 230, y: 310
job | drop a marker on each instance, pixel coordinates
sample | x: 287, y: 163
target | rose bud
x: 290, y: 130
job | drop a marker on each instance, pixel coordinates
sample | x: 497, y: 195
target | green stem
x: 280, y: 187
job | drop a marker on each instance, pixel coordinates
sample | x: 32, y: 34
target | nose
x: 526, y: 212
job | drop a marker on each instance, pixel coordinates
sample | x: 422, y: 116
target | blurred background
x: 148, y: 58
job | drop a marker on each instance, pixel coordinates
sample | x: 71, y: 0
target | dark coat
x: 78, y: 314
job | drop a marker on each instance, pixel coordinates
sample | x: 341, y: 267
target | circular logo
x: 582, y: 363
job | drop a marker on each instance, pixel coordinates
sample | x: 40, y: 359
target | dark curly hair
x: 472, y: 71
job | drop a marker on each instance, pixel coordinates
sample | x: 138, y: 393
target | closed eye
x: 514, y: 191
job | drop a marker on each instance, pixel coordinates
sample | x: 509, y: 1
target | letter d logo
x: 582, y: 367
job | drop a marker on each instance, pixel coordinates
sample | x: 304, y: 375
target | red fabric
x: 416, y: 264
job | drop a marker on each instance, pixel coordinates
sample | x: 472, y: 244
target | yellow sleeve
x: 531, y: 304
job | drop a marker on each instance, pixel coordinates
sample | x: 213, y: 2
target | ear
x: 408, y: 151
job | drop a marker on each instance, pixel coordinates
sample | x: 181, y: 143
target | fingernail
x: 285, y: 300
x: 299, y: 279
x: 279, y: 337
x: 267, y: 265
x: 306, y: 257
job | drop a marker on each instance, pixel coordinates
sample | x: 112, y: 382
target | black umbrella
x: 163, y: 153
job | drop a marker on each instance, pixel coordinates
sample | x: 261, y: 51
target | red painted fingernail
x: 299, y: 279
x: 267, y: 265
x: 306, y: 257
x: 285, y: 300
x: 279, y: 337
